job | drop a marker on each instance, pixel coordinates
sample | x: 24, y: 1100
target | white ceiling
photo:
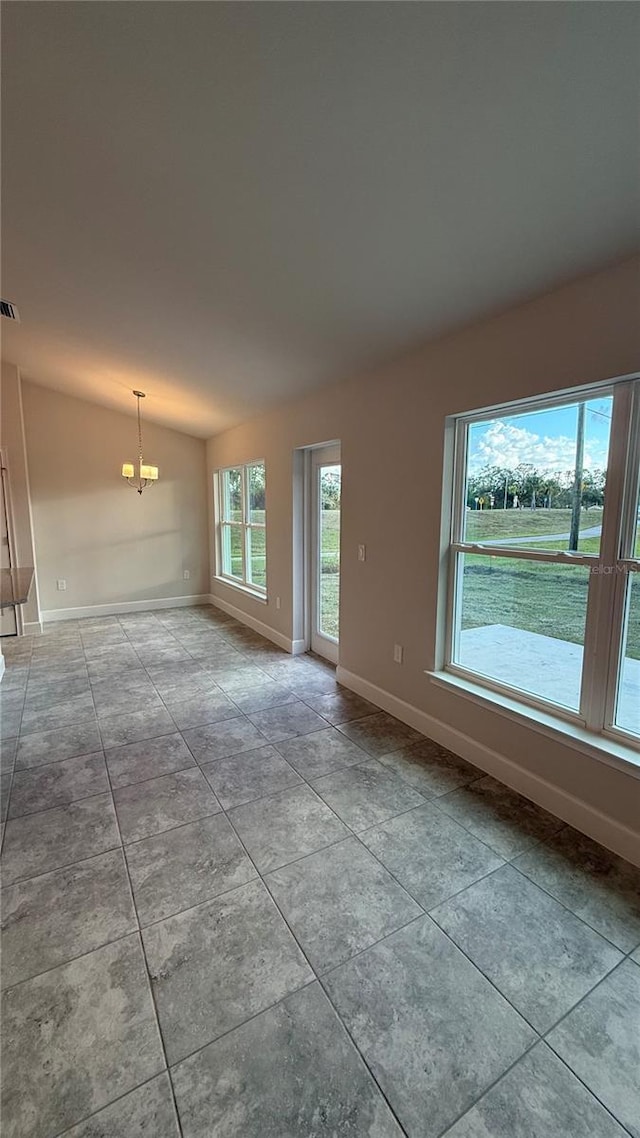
x: 227, y: 205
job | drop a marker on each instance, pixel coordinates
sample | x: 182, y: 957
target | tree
x: 593, y: 483
x: 487, y: 483
x: 330, y: 488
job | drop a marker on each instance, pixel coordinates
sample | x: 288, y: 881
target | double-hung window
x: 544, y: 558
x: 242, y: 557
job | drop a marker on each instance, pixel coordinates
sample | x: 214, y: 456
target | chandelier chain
x: 140, y: 482
x: 139, y: 431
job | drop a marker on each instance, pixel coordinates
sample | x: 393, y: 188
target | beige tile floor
x: 239, y: 901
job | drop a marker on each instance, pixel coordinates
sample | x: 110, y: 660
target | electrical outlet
x: 398, y: 652
x: 277, y: 602
x: 186, y: 574
x: 61, y: 584
x: 362, y: 553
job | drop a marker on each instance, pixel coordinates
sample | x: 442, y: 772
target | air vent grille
x: 9, y: 310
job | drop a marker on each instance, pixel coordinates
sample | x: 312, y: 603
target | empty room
x: 320, y: 610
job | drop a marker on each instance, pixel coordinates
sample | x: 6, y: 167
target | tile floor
x: 240, y: 902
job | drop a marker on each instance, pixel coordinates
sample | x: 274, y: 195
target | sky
x: 546, y: 439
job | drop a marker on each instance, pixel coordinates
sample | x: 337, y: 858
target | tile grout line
x: 355, y: 834
x: 578, y: 916
x: 145, y: 962
x: 426, y: 912
x: 489, y: 1088
x: 229, y: 1031
x: 87, y: 1118
x: 539, y: 1036
x: 587, y: 1088
x: 318, y: 979
x: 570, y: 1012
x: 368, y: 757
x: 79, y: 955
x: 321, y: 976
x: 536, y: 842
x: 68, y: 802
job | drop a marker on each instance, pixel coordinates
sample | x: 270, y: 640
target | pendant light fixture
x: 146, y: 475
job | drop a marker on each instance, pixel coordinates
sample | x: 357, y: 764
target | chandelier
x: 146, y: 475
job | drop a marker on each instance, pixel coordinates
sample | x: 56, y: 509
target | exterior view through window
x: 242, y: 525
x: 544, y: 593
x: 326, y: 484
x: 329, y: 541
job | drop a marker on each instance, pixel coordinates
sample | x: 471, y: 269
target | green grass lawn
x: 539, y: 597
x: 330, y: 564
x: 546, y: 598
x: 330, y: 571
x: 486, y: 525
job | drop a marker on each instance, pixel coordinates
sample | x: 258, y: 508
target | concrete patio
x: 543, y: 666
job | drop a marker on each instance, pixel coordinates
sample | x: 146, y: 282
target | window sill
x: 601, y: 747
x: 246, y: 590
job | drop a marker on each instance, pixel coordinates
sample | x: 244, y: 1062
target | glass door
x: 326, y: 477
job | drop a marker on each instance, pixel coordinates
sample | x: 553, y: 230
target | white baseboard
x: 117, y: 607
x: 298, y: 647
x: 601, y: 827
x: 31, y: 627
x: 278, y: 638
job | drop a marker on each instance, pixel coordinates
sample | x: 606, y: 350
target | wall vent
x: 9, y: 310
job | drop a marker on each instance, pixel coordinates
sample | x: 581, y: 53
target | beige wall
x: 109, y: 543
x: 12, y: 440
x: 391, y: 425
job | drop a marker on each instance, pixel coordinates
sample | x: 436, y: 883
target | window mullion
x: 605, y: 607
x: 625, y: 551
x: 522, y: 553
x: 457, y: 533
x: 245, y: 498
x: 459, y: 489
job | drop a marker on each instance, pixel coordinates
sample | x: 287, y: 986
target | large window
x: 242, y: 553
x: 544, y: 592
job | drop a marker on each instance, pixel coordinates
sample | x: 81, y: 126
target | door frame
x: 321, y: 454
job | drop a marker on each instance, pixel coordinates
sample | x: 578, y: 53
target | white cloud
x: 503, y: 444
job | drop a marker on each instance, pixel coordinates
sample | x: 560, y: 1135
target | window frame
x: 611, y: 569
x: 245, y: 527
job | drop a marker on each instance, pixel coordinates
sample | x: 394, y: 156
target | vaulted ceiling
x: 227, y: 205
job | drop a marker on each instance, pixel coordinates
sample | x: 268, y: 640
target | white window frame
x: 610, y: 569
x: 245, y: 526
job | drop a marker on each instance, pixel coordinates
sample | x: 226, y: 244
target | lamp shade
x: 128, y: 470
x: 149, y: 472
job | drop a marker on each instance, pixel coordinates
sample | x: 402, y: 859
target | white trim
x: 606, y: 595
x: 319, y: 641
x: 246, y: 526
x: 549, y: 400
x: 258, y: 626
x: 32, y: 627
x: 50, y: 615
x: 584, y: 817
x: 2, y: 665
x: 298, y: 647
x: 32, y: 528
x: 562, y: 556
x: 247, y: 590
x: 567, y: 731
